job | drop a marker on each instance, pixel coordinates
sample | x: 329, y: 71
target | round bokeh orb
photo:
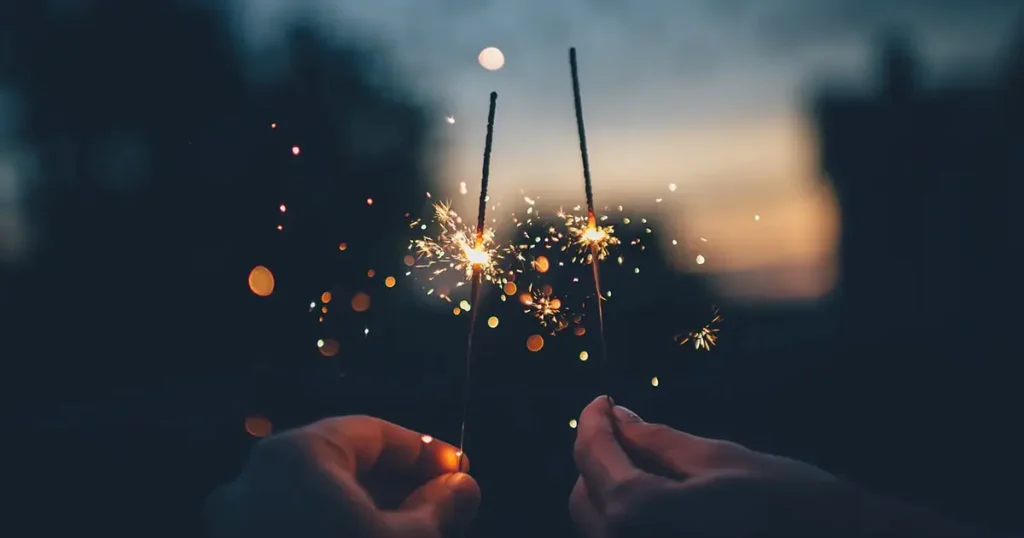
x: 261, y: 281
x: 491, y: 58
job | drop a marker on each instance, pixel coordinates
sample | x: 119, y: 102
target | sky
x: 707, y: 95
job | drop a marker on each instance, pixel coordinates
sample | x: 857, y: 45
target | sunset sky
x: 706, y: 94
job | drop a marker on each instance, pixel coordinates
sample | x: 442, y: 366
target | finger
x: 662, y: 450
x: 602, y: 463
x: 583, y: 513
x: 361, y: 444
x: 442, y: 506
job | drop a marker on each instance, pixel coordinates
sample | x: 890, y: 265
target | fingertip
x: 465, y: 490
x: 448, y: 502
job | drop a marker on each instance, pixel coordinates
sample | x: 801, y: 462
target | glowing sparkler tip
x: 477, y: 257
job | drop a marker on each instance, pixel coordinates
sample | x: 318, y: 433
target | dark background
x: 134, y: 350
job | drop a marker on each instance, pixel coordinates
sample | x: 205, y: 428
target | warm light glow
x: 476, y: 257
x: 360, y: 302
x: 258, y: 426
x: 535, y: 343
x: 343, y: 246
x: 389, y: 281
x: 491, y: 59
x: 700, y: 260
x: 427, y: 439
x: 584, y: 356
x: 325, y: 297
x: 456, y: 311
x: 654, y: 382
x: 541, y: 264
x: 283, y: 208
x: 492, y: 322
x: 594, y: 234
x: 580, y: 330
x: 510, y: 288
x: 409, y: 260
x: 329, y: 347
x: 464, y: 304
x: 261, y: 281
x: 295, y: 150
x: 572, y: 423
x: 371, y: 273
x: 369, y: 201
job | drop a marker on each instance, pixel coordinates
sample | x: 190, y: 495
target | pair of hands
x: 363, y: 477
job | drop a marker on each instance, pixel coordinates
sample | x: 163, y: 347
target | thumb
x: 445, y: 504
x: 664, y: 451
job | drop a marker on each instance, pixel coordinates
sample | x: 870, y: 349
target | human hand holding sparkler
x: 349, y: 476
x: 642, y: 480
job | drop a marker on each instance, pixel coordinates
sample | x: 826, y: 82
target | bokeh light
x: 258, y: 426
x: 535, y: 342
x: 541, y: 264
x: 389, y: 281
x: 492, y: 322
x: 325, y: 297
x: 261, y: 281
x: 328, y: 347
x: 584, y: 356
x: 572, y: 423
x: 360, y: 302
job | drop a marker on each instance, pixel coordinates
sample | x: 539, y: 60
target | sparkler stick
x: 588, y: 186
x: 477, y: 270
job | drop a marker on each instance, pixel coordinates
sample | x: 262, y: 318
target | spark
x: 706, y: 337
x: 458, y: 248
x: 590, y: 239
x: 543, y: 305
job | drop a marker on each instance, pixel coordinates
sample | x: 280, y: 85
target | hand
x: 352, y: 477
x: 642, y: 480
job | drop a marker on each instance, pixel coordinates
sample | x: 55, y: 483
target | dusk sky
x: 705, y: 94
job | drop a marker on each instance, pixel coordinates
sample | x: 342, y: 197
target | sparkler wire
x: 588, y: 186
x: 477, y: 274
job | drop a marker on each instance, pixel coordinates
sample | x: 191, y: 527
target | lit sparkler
x: 480, y: 261
x: 591, y: 239
x: 458, y: 248
x: 592, y: 235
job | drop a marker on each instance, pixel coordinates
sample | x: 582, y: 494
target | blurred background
x: 834, y: 177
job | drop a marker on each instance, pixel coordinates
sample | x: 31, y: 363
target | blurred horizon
x: 715, y: 105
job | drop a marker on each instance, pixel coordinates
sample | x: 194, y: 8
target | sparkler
x: 480, y: 262
x: 593, y: 236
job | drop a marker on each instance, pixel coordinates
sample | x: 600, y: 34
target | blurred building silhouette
x: 922, y: 175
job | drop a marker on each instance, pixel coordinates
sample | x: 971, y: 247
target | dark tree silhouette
x: 159, y: 184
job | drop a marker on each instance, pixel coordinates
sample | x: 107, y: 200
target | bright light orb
x: 491, y: 59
